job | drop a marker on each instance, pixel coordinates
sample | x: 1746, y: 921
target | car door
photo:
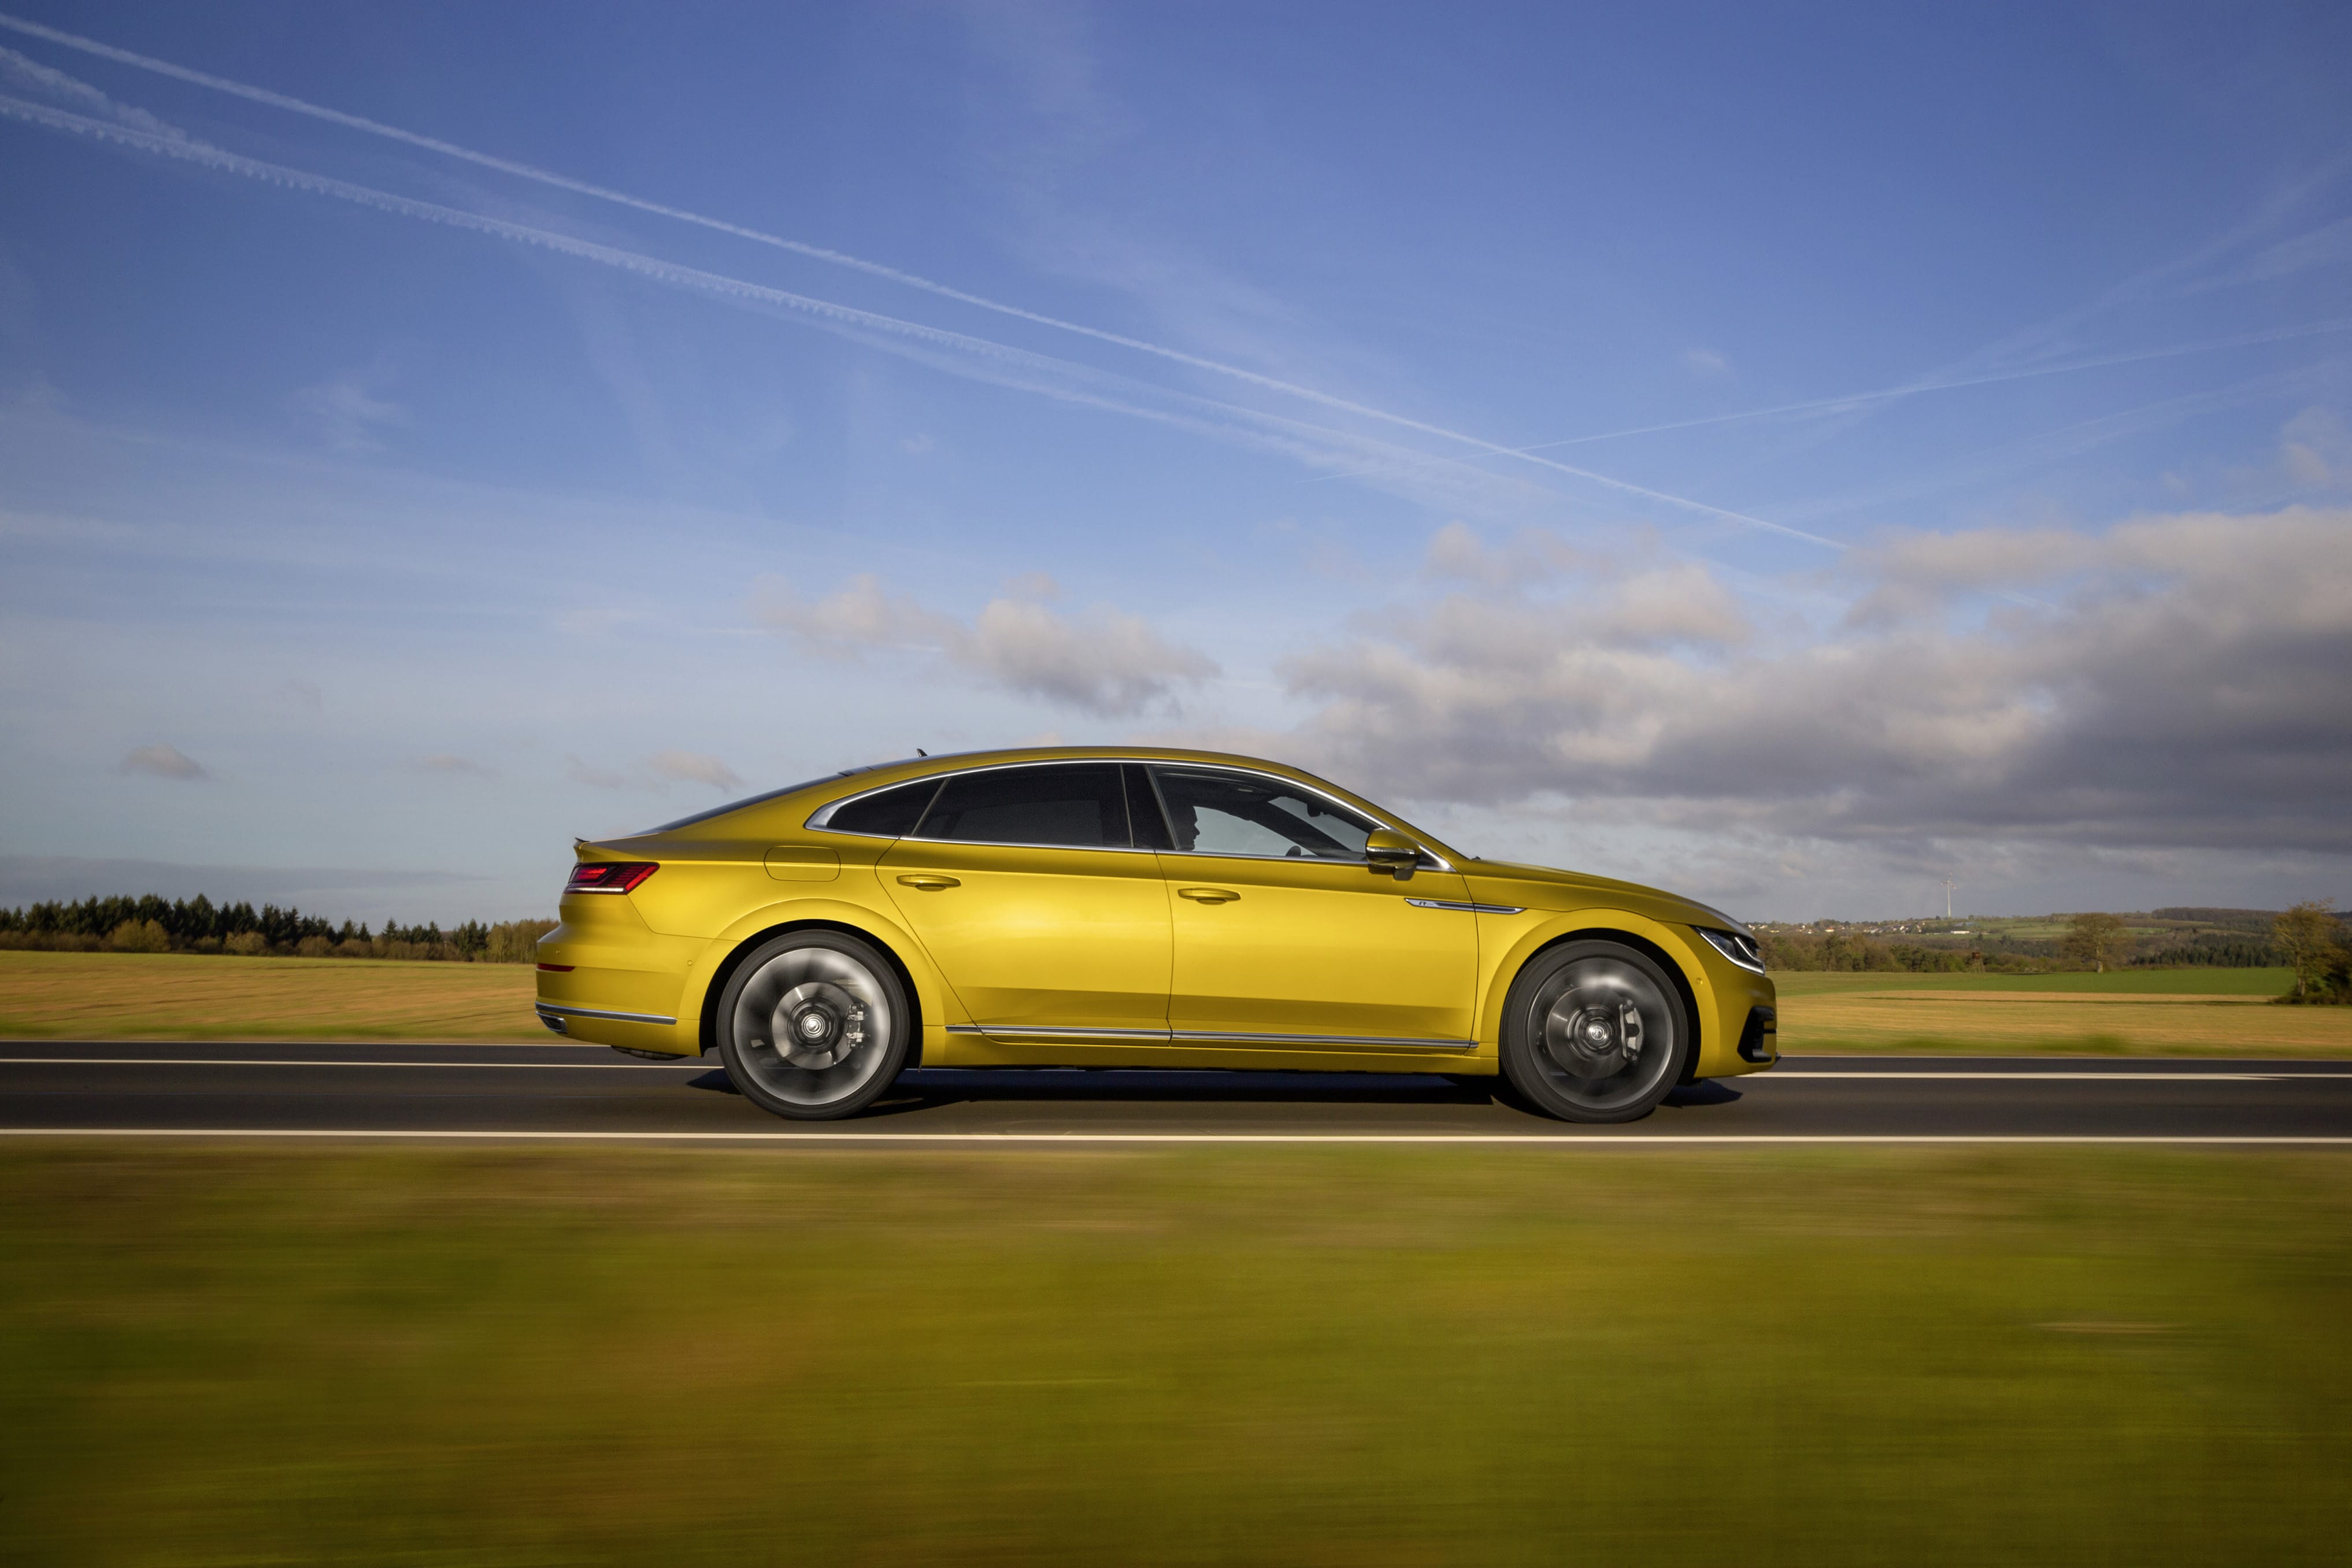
x: 1024, y: 884
x: 1286, y: 933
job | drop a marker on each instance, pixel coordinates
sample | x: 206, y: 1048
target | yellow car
x: 1131, y: 908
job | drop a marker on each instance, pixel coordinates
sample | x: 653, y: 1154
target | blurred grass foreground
x: 215, y: 1354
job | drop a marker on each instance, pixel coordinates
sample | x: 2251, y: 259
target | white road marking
x: 266, y: 1062
x: 702, y: 1065
x: 1551, y: 1141
x: 2060, y: 1077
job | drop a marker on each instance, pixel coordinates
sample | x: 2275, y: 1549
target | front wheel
x: 813, y: 1026
x: 1595, y: 1031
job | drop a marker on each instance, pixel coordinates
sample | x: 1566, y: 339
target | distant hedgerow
x: 154, y: 924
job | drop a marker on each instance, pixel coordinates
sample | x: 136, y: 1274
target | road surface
x: 281, y: 1090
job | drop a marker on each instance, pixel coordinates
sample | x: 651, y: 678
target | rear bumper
x: 560, y: 1018
x: 605, y: 979
x: 657, y: 1033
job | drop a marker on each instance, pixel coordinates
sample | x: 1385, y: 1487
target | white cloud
x: 448, y: 762
x: 164, y: 762
x: 1104, y: 662
x: 2316, y: 449
x: 1456, y: 552
x: 2190, y: 694
x: 581, y: 772
x: 693, y: 767
x: 1706, y: 363
x: 346, y: 412
x: 656, y: 773
x: 919, y: 445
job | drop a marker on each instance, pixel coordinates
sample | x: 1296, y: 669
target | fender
x: 1524, y: 937
x: 933, y: 999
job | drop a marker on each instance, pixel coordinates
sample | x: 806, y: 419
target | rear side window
x: 885, y: 813
x: 1073, y: 805
x: 1214, y: 812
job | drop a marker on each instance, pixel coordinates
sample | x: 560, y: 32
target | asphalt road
x: 412, y: 1091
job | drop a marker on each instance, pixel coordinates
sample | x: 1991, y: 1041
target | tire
x: 842, y: 1017
x: 1595, y: 1031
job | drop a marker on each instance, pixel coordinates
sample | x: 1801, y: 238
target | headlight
x: 1735, y: 946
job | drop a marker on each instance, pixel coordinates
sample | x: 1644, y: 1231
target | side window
x: 1074, y: 805
x: 886, y: 813
x: 1213, y: 813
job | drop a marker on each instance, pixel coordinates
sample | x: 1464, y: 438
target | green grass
x: 2115, y: 982
x: 191, y: 995
x: 210, y: 1355
x: 2179, y: 1012
x: 128, y: 996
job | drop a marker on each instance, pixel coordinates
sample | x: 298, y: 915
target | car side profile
x: 1133, y: 908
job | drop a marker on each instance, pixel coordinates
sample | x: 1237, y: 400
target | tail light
x: 616, y: 876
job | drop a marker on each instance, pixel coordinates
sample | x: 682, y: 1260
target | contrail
x: 1022, y: 368
x: 1912, y: 389
x: 911, y: 280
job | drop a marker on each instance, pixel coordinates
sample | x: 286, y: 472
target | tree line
x: 2311, y: 939
x: 1854, y: 952
x: 154, y: 924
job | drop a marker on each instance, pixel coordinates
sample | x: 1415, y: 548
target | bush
x: 251, y: 944
x: 314, y: 948
x: 48, y: 942
x: 2314, y: 943
x: 140, y: 936
x: 516, y: 941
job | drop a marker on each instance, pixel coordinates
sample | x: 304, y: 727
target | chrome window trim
x: 818, y: 819
x: 1212, y: 1037
x: 547, y: 1008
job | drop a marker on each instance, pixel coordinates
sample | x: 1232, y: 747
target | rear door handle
x: 1207, y: 895
x: 930, y: 883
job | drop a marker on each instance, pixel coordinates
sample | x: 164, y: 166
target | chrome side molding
x: 1010, y: 1032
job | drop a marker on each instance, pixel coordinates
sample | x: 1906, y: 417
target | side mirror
x: 1391, y: 852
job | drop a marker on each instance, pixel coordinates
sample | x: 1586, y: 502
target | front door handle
x: 1207, y: 895
x: 930, y: 883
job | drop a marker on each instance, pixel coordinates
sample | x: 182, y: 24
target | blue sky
x: 1941, y: 429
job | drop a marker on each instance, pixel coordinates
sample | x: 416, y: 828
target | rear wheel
x: 1594, y: 1032
x: 813, y: 1026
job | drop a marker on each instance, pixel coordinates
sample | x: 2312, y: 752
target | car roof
x: 881, y: 775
